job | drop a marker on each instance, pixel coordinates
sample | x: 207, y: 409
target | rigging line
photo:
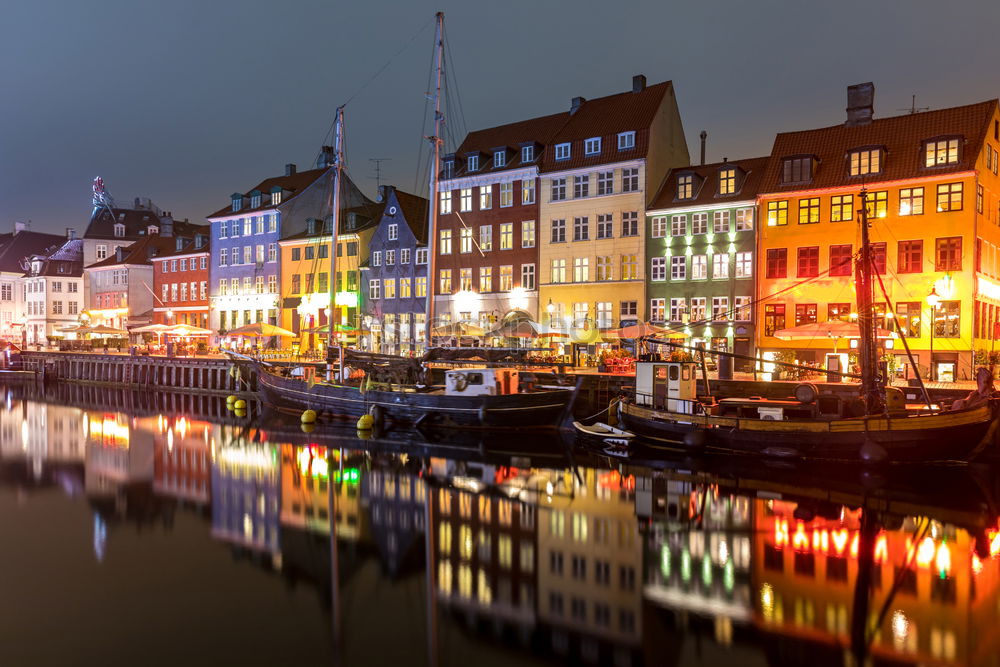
x: 458, y: 94
x: 423, y: 124
x: 476, y: 242
x: 388, y: 62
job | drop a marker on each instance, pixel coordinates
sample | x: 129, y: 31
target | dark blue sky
x: 187, y: 101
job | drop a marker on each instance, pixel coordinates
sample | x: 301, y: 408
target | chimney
x: 576, y: 104
x: 638, y: 83
x: 325, y: 157
x: 70, y: 233
x: 704, y: 136
x: 289, y: 169
x: 860, y: 104
x: 119, y: 255
x: 138, y: 203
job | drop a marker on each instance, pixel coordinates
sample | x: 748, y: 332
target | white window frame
x: 562, y: 151
x: 658, y: 269
x: 592, y: 146
x: 626, y: 140
x: 393, y: 232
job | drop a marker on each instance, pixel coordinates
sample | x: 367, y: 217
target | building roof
x: 136, y: 220
x: 512, y: 135
x: 366, y: 216
x: 140, y: 252
x: 414, y: 210
x: 900, y: 136
x: 606, y: 117
x: 15, y: 248
x: 292, y: 184
x: 749, y: 174
x: 65, y: 261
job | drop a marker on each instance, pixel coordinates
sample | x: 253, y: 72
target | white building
x: 53, y: 293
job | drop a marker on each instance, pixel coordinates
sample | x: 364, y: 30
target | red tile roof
x: 901, y: 136
x: 294, y: 184
x: 140, y: 252
x: 706, y: 194
x: 537, y: 130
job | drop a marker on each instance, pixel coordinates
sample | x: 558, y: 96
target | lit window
x: 841, y: 208
x: 445, y: 202
x: 528, y: 234
x: 727, y: 181
x: 465, y: 200
x: 506, y: 194
x: 867, y: 161
x: 720, y: 222
x: 940, y: 152
x: 685, y: 186
x: 777, y: 213
x: 809, y: 211
x: 528, y: 191
x: 506, y: 235
x: 949, y: 197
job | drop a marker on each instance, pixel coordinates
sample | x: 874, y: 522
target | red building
x: 180, y: 284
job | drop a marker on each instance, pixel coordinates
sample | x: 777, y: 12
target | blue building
x: 246, y: 493
x: 395, y: 276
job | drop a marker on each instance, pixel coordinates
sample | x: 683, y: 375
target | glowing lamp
x: 933, y: 299
x: 925, y: 552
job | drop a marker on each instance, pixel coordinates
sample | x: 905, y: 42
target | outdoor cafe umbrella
x: 524, y: 329
x: 458, y: 329
x: 829, y: 329
x: 642, y: 329
x: 260, y: 330
x: 186, y: 330
x: 106, y: 331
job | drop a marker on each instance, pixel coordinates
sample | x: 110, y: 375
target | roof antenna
x: 378, y: 168
x: 913, y: 106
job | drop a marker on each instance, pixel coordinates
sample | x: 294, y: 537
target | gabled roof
x: 188, y: 246
x: 511, y: 135
x: 367, y: 215
x: 706, y: 193
x: 414, y: 210
x: 140, y: 252
x: 65, y: 261
x: 14, y: 248
x: 606, y: 117
x: 902, y: 138
x: 136, y: 220
x: 293, y: 184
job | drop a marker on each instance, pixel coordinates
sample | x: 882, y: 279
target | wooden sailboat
x: 874, y: 427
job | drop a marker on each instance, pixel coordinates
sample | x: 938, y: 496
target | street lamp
x: 933, y: 300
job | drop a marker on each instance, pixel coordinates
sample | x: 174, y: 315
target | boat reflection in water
x: 532, y: 554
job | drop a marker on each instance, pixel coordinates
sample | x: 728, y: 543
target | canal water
x: 141, y: 530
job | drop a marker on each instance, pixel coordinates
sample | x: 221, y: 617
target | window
x: 528, y: 234
x: 805, y: 313
x: 422, y: 255
x: 259, y: 254
x: 405, y: 290
x: 720, y: 308
x: 592, y: 146
x: 658, y: 227
x: 506, y: 195
x: 558, y: 189
x: 558, y: 231
x: 630, y: 223
x: 324, y: 282
x: 777, y: 213
x: 678, y: 225
x: 528, y: 191
x: 658, y: 268
x: 390, y: 257
x: 878, y: 257
x: 796, y: 170
x: 630, y: 267
x: 404, y: 256
x: 656, y: 309
x: 562, y: 151
x: 605, y: 182
x: 947, y: 319
x: 581, y: 269
x: 485, y: 197
x: 840, y: 260
x: 581, y: 186
x: 506, y: 278
x: 296, y: 283
x: 808, y: 211
x: 374, y: 289
x: 685, y: 186
x: 247, y: 254
x: 581, y: 229
x: 910, y: 258
x: 948, y: 254
x: 727, y: 181
x: 119, y: 230
x: 979, y: 198
x: 272, y: 223
x: 528, y: 276
x: 741, y: 309
x: 223, y: 259
x: 296, y: 254
x: 377, y: 258
x: 444, y: 281
x: 223, y: 230
x: 445, y: 198
x: 629, y: 309
x: 720, y: 222
x: 604, y: 317
x: 777, y: 263
x: 877, y: 204
x: 506, y: 235
x: 678, y: 307
x: 720, y: 266
x: 444, y: 242
x: 678, y: 267
x: 940, y: 152
x: 527, y: 154
x: 744, y: 219
x: 558, y: 271
x: 698, y: 305
x: 465, y: 200
x: 774, y: 318
x: 605, y: 226
x: 472, y: 162
x: 626, y: 140
x: 464, y: 242
x: 630, y: 179
x: 499, y: 159
x: 744, y: 264
x: 234, y: 287
x: 420, y: 290
x: 464, y: 281
x: 865, y: 161
x: 908, y: 315
x: 841, y: 208
x: 699, y: 267
x: 699, y: 223
x: 808, y: 262
x: 949, y: 197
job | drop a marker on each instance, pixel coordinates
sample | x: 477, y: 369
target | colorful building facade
x: 121, y: 294
x: 53, y: 293
x: 180, y: 284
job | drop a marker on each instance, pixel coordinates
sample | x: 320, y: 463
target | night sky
x: 186, y: 102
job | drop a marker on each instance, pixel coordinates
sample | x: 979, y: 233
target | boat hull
x: 949, y: 436
x: 535, y: 410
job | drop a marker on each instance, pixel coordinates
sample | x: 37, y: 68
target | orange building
x: 932, y: 191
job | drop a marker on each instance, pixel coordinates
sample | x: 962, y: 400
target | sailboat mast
x: 432, y: 207
x: 871, y: 390
x: 338, y: 158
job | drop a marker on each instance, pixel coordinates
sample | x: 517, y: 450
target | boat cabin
x: 480, y: 382
x: 667, y: 385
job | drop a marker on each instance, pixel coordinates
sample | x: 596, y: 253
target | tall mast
x: 871, y: 390
x: 435, y: 160
x: 338, y: 163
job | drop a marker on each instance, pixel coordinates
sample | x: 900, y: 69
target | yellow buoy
x: 240, y: 413
x: 366, y: 422
x: 240, y: 404
x: 230, y: 399
x: 364, y: 435
x: 308, y: 417
x: 308, y: 428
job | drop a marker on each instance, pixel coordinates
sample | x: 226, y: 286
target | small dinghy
x: 603, y: 431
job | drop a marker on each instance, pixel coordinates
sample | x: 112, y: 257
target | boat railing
x: 690, y: 406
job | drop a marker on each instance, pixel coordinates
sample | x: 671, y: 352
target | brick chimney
x: 860, y: 104
x: 638, y: 83
x: 289, y: 169
x: 576, y: 104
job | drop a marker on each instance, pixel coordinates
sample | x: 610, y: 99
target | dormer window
x: 393, y: 232
x: 562, y: 151
x: 592, y: 146
x: 276, y: 196
x: 941, y: 152
x: 685, y: 186
x: 864, y: 161
x: 797, y: 169
x: 500, y: 158
x: 626, y: 140
x: 727, y: 180
x: 448, y: 168
x: 255, y: 199
x: 153, y: 230
x: 119, y: 230
x: 237, y: 202
x: 527, y: 154
x: 473, y: 163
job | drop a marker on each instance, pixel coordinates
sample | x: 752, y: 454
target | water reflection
x: 537, y: 557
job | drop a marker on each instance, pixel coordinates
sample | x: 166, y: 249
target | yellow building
x: 598, y: 173
x: 932, y: 191
x: 305, y: 280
